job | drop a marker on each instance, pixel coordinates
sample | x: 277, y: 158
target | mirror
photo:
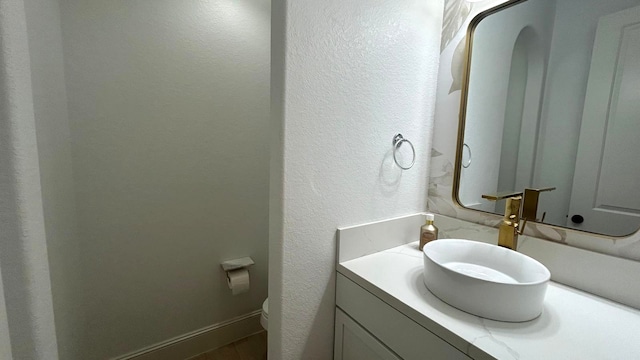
x: 551, y: 100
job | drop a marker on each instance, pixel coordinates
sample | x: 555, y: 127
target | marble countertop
x: 573, y: 324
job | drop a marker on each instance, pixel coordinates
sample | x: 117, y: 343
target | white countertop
x: 573, y: 324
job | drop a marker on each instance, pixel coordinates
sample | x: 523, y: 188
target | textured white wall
x: 168, y: 106
x: 23, y: 252
x: 56, y: 176
x: 347, y: 76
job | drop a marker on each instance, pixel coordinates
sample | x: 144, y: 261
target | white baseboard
x: 200, y: 341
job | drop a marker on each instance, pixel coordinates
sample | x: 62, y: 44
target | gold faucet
x: 510, y: 226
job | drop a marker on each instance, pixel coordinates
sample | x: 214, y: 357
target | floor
x: 253, y: 347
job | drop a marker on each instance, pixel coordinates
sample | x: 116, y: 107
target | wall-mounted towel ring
x: 468, y: 163
x: 397, y: 142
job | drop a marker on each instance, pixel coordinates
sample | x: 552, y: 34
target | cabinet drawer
x: 398, y: 332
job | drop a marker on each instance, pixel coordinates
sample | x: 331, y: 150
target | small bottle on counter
x: 428, y: 231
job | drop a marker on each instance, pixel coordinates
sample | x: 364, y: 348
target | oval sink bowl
x: 485, y: 280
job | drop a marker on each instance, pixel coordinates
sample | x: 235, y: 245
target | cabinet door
x: 353, y: 342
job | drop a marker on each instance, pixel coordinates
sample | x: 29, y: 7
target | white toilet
x: 264, y: 318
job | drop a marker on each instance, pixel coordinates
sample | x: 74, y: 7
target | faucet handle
x: 541, y: 189
x: 530, y: 205
x: 520, y: 229
x: 511, y: 209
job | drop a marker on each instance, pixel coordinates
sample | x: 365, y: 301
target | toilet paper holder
x: 236, y: 264
x: 237, y: 274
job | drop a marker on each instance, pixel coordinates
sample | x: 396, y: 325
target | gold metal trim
x: 462, y: 120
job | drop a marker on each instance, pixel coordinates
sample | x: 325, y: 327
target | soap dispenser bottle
x: 428, y: 231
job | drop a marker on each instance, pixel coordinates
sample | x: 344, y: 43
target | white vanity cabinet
x: 386, y: 312
x: 353, y: 342
x: 368, y: 328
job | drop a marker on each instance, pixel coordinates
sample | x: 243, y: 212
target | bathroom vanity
x: 384, y: 310
x: 533, y: 114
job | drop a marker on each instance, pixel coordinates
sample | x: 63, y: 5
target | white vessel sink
x: 485, y: 280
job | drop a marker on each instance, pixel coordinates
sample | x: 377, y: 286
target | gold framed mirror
x: 550, y: 101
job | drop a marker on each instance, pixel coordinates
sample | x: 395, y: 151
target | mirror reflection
x: 553, y: 104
